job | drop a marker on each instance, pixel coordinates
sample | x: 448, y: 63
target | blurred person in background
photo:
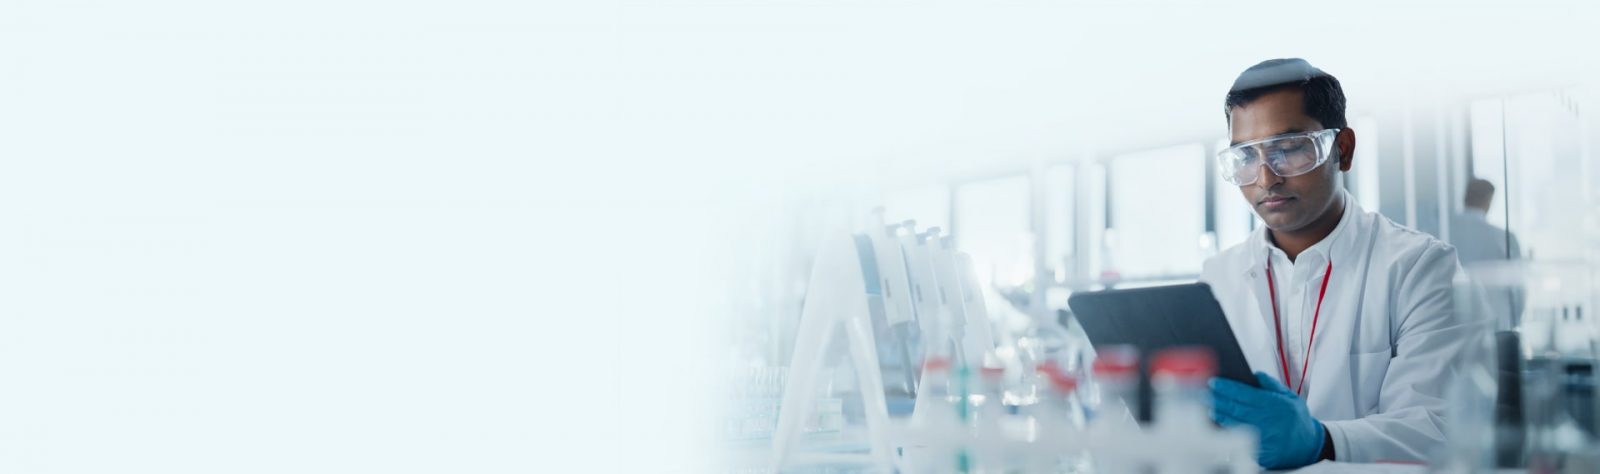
x: 1476, y: 241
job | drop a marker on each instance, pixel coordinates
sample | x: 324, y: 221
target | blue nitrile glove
x: 1290, y: 437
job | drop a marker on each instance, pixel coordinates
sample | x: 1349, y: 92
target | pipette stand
x: 836, y: 298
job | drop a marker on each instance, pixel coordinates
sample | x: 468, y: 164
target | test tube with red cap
x: 1116, y: 383
x: 992, y: 379
x: 1060, y: 402
x: 935, y: 380
x: 989, y: 450
x: 1179, y: 377
x: 1060, y: 382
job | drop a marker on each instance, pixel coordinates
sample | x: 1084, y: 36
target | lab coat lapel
x: 1255, y: 331
x: 1350, y: 252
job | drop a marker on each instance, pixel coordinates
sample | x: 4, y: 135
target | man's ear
x: 1345, y: 143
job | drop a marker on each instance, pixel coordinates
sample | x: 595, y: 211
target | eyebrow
x: 1283, y: 132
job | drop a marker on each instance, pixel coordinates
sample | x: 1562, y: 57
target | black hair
x: 1323, y: 98
x: 1480, y: 193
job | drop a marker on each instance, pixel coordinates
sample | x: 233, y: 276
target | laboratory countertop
x: 1330, y: 467
x: 756, y: 456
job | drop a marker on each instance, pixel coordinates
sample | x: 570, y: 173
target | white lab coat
x: 1481, y: 244
x: 1387, y: 336
x: 1476, y: 240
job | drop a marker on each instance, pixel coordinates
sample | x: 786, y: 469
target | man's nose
x: 1266, y: 178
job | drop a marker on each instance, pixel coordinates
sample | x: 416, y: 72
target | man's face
x: 1287, y: 204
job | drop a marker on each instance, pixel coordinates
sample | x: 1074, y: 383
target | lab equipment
x: 894, y: 285
x: 961, y: 297
x: 836, y: 299
x: 941, y: 421
x: 1043, y: 343
x: 1156, y: 318
x: 1062, y: 403
x: 1542, y: 384
x: 1192, y: 444
x: 1063, y: 411
x: 1473, y: 410
x: 755, y: 398
x: 1287, y: 155
x: 988, y: 408
x: 1179, y: 378
x: 1057, y: 435
x: 931, y: 314
x: 1115, y: 394
x: 955, y: 328
x: 1112, y: 403
x: 960, y: 421
x: 978, y: 328
x: 989, y: 421
x: 889, y: 297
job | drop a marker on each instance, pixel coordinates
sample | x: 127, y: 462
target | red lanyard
x: 1277, y: 324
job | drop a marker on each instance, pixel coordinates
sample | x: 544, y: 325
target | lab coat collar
x: 1337, y: 243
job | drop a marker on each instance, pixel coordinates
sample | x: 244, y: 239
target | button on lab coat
x: 1385, y: 341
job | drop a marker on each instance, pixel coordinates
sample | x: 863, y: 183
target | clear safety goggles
x: 1286, y: 155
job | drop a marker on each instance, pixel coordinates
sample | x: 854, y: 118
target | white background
x: 341, y: 237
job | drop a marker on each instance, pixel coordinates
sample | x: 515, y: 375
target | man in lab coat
x: 1480, y: 243
x: 1345, y: 316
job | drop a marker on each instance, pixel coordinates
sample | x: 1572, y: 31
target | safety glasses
x: 1287, y: 155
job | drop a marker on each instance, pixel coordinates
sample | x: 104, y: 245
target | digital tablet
x: 1160, y: 317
